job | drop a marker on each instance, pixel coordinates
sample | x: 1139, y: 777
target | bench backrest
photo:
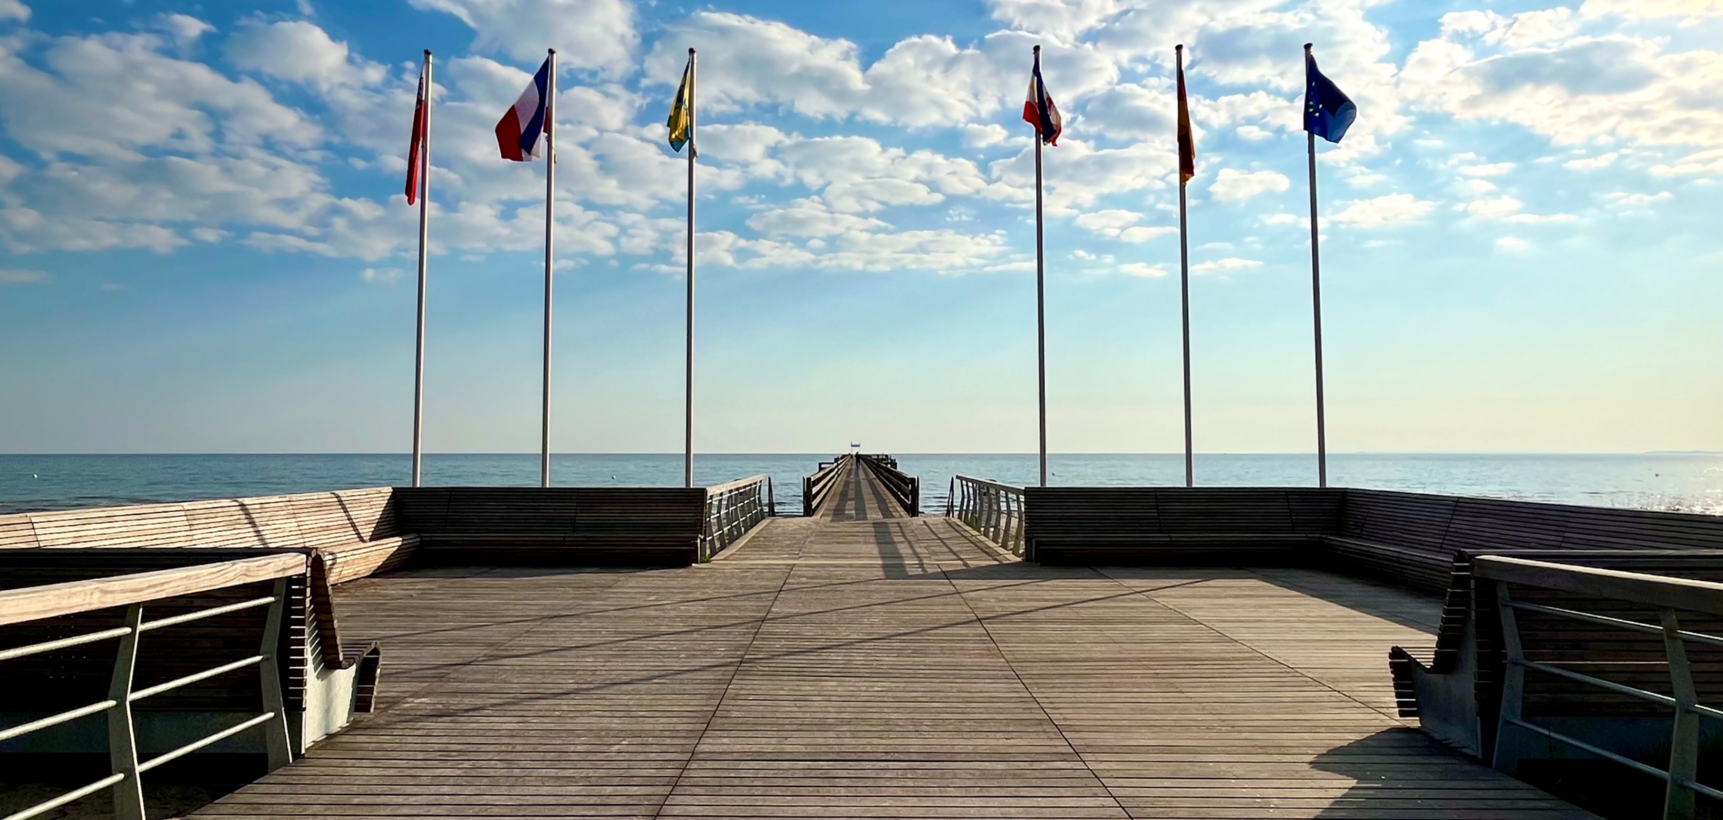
x: 552, y: 511
x: 281, y: 522
x: 1074, y: 512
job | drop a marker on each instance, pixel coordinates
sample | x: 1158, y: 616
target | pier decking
x: 863, y: 663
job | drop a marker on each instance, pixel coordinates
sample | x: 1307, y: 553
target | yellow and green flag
x: 682, y: 110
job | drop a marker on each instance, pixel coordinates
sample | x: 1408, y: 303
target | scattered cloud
x: 1233, y: 185
x: 382, y: 274
x: 1226, y: 265
x: 1380, y: 212
x: 14, y: 276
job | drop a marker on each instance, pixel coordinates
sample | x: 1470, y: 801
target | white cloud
x: 589, y: 34
x: 1232, y: 184
x: 1704, y: 162
x: 1381, y: 211
x: 1512, y: 244
x: 1231, y: 263
x: 382, y: 274
x: 1493, y: 208
x: 1143, y: 270
x: 1493, y: 169
x: 1593, y: 163
x: 1653, y: 8
x: 1121, y: 225
x: 14, y: 10
x: 16, y: 276
x: 810, y: 217
x: 301, y: 52
x: 184, y: 29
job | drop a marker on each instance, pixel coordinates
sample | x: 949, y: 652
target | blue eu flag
x: 1328, y: 112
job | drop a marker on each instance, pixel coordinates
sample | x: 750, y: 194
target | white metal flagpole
x: 1040, y: 297
x: 1316, y: 303
x: 549, y: 238
x: 1185, y: 298
x: 688, y: 409
x: 424, y: 160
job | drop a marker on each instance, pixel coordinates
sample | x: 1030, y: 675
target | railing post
x: 1508, y: 750
x: 122, y: 732
x: 771, y: 499
x: 275, y: 736
x: 1678, y: 801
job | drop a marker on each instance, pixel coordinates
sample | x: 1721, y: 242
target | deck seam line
x: 735, y: 672
x: 1146, y: 594
x: 982, y: 622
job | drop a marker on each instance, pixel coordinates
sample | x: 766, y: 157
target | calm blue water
x: 1691, y: 483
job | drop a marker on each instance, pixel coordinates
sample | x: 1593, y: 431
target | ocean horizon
x: 1671, y: 481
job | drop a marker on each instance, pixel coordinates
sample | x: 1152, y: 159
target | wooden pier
x: 865, y: 663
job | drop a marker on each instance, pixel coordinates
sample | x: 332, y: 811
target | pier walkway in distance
x: 862, y: 663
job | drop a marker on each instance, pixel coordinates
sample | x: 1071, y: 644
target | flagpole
x: 1040, y: 298
x: 1185, y: 300
x: 424, y: 159
x: 1316, y: 304
x: 688, y: 390
x: 549, y: 240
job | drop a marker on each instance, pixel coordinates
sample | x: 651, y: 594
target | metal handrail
x: 133, y: 591
x: 1667, y: 595
x: 732, y: 509
x: 992, y: 509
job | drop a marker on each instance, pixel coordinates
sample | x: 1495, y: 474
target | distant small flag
x: 681, y: 123
x: 519, y: 129
x: 1039, y: 110
x: 1187, y: 142
x: 413, y: 159
x: 1328, y: 112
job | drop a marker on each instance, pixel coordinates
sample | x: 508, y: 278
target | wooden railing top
x: 72, y: 597
x: 1637, y: 587
x: 737, y: 484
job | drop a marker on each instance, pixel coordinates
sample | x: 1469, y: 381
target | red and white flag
x: 519, y: 129
x: 414, y: 159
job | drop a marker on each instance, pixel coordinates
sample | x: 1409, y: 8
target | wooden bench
x: 649, y: 526
x: 355, y: 531
x: 1413, y: 538
x: 325, y: 680
x: 1155, y: 525
x: 1456, y: 690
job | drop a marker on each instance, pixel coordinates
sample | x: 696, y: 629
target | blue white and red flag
x: 519, y: 129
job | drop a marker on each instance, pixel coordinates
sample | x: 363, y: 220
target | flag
x: 1187, y: 143
x: 1039, y: 110
x: 1328, y: 112
x: 681, y: 123
x: 519, y: 129
x: 413, y: 161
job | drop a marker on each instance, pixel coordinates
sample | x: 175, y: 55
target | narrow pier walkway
x: 864, y: 664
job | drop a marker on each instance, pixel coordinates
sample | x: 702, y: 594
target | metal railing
x: 816, y: 487
x: 1666, y: 595
x: 133, y: 592
x: 904, y: 488
x: 732, y: 510
x: 995, y: 510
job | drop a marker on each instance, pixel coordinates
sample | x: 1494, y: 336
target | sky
x: 204, y: 246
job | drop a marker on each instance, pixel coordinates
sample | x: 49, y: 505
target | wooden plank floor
x: 886, y: 667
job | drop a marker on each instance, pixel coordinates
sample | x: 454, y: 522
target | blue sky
x: 204, y: 247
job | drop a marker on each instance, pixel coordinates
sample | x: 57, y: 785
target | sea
x: 1680, y: 482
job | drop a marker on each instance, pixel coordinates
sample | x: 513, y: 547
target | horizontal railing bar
x: 1697, y: 786
x: 207, y: 673
x: 73, y: 597
x: 1610, y: 685
x: 739, y: 483
x: 206, y: 613
x: 1635, y: 587
x: 66, y: 798
x: 55, y: 720
x: 64, y: 643
x: 991, y: 484
x: 1603, y: 753
x: 194, y: 746
x: 1636, y: 626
